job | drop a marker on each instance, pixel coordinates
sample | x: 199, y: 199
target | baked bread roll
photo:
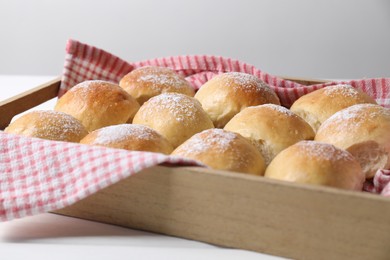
x: 271, y: 128
x: 364, y: 131
x: 225, y: 95
x: 319, y: 105
x: 223, y: 150
x: 146, y: 82
x: 317, y: 163
x: 129, y: 137
x: 175, y: 116
x: 97, y: 104
x: 50, y: 125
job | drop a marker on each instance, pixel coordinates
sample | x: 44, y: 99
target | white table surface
x: 51, y: 236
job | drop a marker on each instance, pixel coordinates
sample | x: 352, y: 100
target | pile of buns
x: 336, y: 136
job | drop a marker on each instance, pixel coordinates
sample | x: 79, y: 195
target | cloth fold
x: 40, y: 175
x: 83, y: 62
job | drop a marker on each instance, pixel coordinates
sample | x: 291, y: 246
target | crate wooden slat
x: 235, y: 210
x: 247, y: 212
x: 26, y: 100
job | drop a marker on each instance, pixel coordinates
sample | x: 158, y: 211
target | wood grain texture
x: 26, y: 100
x: 247, y: 212
x: 232, y: 209
x: 305, y: 81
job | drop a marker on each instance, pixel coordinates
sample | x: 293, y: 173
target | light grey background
x: 304, y: 38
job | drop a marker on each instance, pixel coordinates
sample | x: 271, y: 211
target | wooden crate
x: 235, y: 210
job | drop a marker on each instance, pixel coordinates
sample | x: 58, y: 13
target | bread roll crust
x: 225, y: 95
x: 175, y: 116
x: 146, y: 82
x: 320, y: 104
x: 97, y: 104
x: 317, y: 163
x: 271, y: 128
x: 363, y: 130
x: 129, y: 137
x: 50, y: 125
x: 223, y: 150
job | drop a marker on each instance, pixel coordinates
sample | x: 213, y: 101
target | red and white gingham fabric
x: 84, y: 62
x: 39, y: 175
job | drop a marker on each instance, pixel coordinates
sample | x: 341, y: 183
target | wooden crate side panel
x: 26, y: 100
x: 243, y: 212
x: 306, y: 81
x: 234, y: 210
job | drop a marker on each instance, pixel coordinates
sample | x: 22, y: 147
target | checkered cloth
x: 39, y: 175
x: 84, y: 62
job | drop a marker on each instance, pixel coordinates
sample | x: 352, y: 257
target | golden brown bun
x: 97, y: 104
x: 271, y: 128
x: 50, y: 125
x: 225, y: 95
x: 129, y: 137
x: 317, y: 163
x: 146, y: 82
x: 363, y: 130
x: 319, y: 105
x: 175, y: 116
x: 223, y: 150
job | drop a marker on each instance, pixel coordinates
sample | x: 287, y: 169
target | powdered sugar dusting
x: 246, y: 82
x: 324, y: 151
x: 58, y: 125
x: 180, y: 106
x: 83, y: 88
x: 156, y: 81
x: 209, y: 139
x: 279, y: 109
x: 354, y: 116
x: 345, y: 90
x: 118, y: 133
